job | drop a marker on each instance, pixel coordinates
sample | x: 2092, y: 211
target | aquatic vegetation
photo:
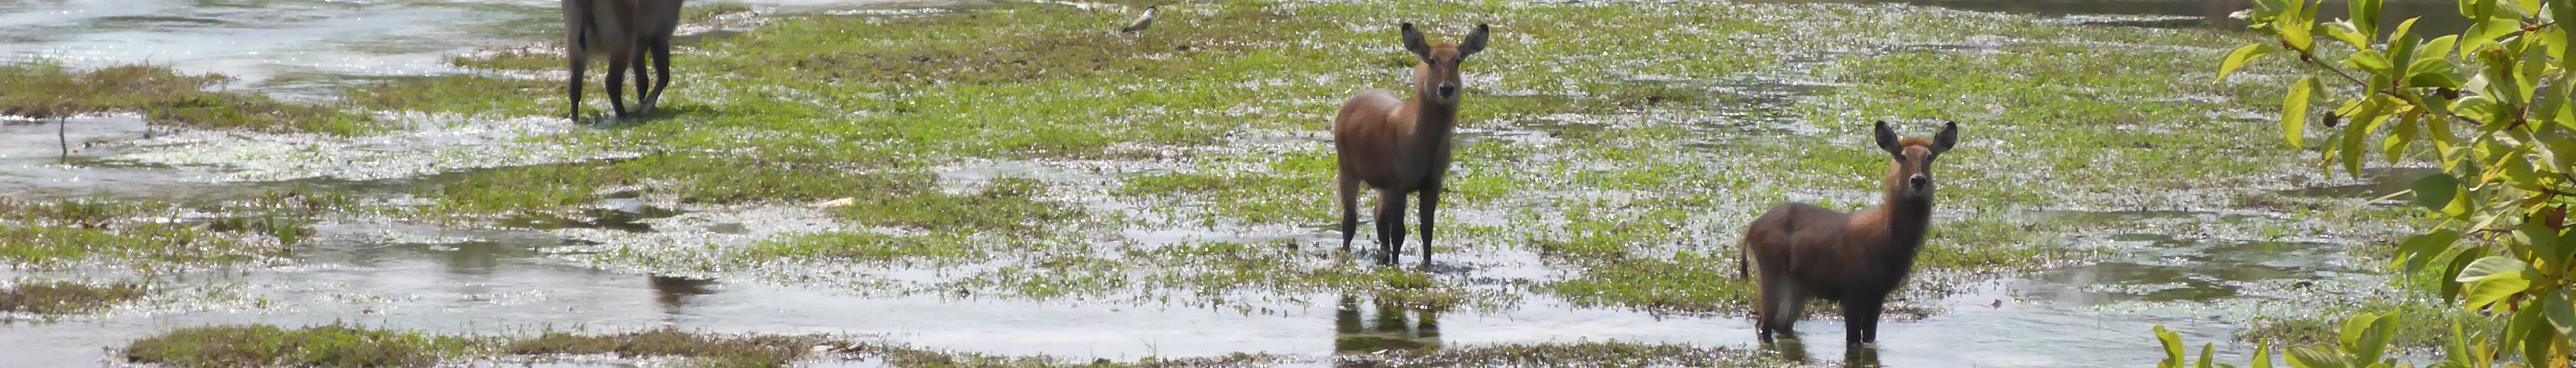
x: 317, y: 346
x: 164, y: 95
x: 65, y: 297
x: 707, y: 350
x: 134, y: 234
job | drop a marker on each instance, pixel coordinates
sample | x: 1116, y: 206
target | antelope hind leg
x: 1390, y: 225
x: 1350, y: 199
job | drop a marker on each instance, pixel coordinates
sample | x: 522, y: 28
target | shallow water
x: 519, y: 280
x: 312, y: 41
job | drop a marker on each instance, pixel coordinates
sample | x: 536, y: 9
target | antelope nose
x: 1448, y: 90
x: 1919, y: 181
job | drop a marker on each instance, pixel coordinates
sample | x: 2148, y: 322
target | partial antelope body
x: 1806, y: 251
x: 626, y: 31
x: 1402, y: 146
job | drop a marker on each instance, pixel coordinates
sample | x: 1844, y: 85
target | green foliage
x: 2491, y: 107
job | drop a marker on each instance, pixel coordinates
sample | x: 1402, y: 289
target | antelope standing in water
x: 626, y: 31
x: 1402, y: 146
x: 1806, y: 251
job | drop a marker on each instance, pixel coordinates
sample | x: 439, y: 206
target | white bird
x: 1141, y: 22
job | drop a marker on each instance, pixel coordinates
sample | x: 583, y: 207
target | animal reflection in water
x: 675, y: 291
x: 1393, y: 326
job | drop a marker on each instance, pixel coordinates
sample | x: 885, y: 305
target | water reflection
x: 2165, y: 268
x: 475, y: 258
x: 1394, y: 326
x: 674, y: 292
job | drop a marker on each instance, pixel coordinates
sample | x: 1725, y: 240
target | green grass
x: 1642, y: 209
x: 317, y: 346
x: 163, y: 96
x: 707, y: 350
x: 57, y: 233
x: 64, y: 297
x: 339, y: 345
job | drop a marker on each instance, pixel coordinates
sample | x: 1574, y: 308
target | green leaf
x: 2294, y: 110
x: 2440, y: 48
x: 2205, y: 354
x: 2354, y: 132
x: 2434, y: 192
x: 2173, y: 347
x: 2366, y: 336
x: 2535, y: 334
x: 2560, y: 312
x: 2459, y: 262
x: 2237, y: 59
x: 2365, y: 17
x: 2424, y: 247
x: 2543, y: 241
x: 2493, y: 279
x: 2370, y: 61
x: 2263, y: 355
x: 2310, y: 357
x: 2493, y: 267
x: 2347, y: 32
x: 2295, y: 31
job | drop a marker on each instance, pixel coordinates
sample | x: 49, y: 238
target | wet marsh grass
x: 706, y: 350
x: 147, y: 235
x: 316, y: 346
x: 1224, y: 105
x: 164, y: 95
x: 342, y: 345
x: 1643, y: 210
x: 65, y: 297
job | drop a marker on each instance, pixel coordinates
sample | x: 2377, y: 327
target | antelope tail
x: 1741, y: 270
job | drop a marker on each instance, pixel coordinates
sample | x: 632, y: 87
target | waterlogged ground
x: 1013, y: 183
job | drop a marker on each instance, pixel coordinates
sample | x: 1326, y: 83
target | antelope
x: 1805, y: 251
x: 1402, y: 146
x: 626, y: 31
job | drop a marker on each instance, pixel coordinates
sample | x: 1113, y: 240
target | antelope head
x: 1910, y: 177
x: 1436, y: 80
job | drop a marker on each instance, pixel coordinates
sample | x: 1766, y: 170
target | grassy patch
x: 63, y: 297
x: 163, y: 95
x: 61, y: 232
x: 707, y: 350
x: 1605, y: 354
x: 270, y: 346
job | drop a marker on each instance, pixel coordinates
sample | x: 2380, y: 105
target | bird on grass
x: 1141, y: 22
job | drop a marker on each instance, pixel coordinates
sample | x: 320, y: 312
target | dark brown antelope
x: 1402, y: 146
x: 1806, y: 251
x: 626, y: 31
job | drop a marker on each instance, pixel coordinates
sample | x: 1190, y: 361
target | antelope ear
x: 1475, y: 42
x: 1413, y: 42
x: 1887, y: 139
x: 1949, y: 137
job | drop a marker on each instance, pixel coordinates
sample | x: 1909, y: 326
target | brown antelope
x: 1806, y: 251
x: 1402, y: 146
x: 626, y: 31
